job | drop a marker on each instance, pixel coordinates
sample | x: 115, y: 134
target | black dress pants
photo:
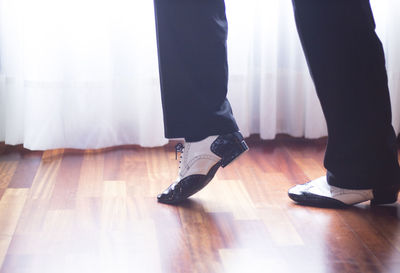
x: 191, y: 37
x: 346, y: 62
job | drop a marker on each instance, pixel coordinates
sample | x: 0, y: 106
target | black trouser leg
x: 346, y: 61
x: 193, y: 66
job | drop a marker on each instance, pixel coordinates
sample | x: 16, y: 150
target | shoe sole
x: 315, y: 200
x: 326, y: 202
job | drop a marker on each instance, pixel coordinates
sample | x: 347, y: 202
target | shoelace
x: 179, y: 149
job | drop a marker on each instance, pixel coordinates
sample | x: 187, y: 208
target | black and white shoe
x: 199, y: 163
x: 319, y: 193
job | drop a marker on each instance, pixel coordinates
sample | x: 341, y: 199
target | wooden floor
x: 96, y: 211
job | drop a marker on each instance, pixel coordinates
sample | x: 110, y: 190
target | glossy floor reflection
x: 96, y: 211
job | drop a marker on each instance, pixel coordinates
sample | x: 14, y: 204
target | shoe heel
x: 385, y: 196
x: 229, y: 147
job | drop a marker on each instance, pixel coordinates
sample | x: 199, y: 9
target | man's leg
x: 346, y: 61
x: 193, y: 68
x: 193, y: 65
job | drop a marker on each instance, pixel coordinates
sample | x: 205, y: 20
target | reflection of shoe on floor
x: 199, y: 163
x: 319, y: 193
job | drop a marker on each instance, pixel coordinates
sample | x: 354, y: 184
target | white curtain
x: 83, y: 73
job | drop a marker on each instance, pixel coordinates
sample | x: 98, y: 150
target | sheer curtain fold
x: 270, y: 87
x: 79, y: 74
x: 83, y: 73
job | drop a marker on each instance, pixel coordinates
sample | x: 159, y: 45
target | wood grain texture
x: 7, y: 170
x: 11, y: 205
x: 95, y: 211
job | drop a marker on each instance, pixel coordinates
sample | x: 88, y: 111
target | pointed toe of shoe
x: 296, y: 190
x: 170, y: 195
x: 297, y: 195
x: 160, y: 197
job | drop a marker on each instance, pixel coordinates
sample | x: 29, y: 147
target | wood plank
x: 2, y: 191
x: 91, y: 175
x: 252, y: 261
x: 112, y: 164
x: 174, y: 249
x: 26, y: 170
x: 228, y: 196
x: 40, y: 194
x: 114, y: 205
x: 11, y: 206
x: 7, y: 170
x: 312, y: 169
x: 67, y: 181
x: 378, y: 228
x: 202, y: 238
x: 46, y: 176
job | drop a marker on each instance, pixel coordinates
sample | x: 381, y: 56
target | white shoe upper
x: 321, y: 187
x: 197, y: 158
